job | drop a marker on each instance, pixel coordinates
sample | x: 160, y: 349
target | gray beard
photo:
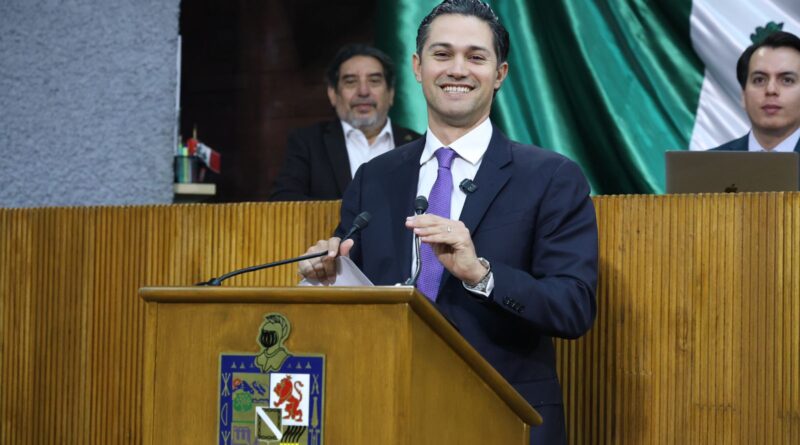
x: 363, y: 123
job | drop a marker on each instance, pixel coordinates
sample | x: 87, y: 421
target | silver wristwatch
x: 481, y: 285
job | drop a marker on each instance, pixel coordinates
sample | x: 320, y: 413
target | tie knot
x: 445, y: 157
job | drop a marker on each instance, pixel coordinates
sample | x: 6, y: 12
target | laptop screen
x: 731, y: 171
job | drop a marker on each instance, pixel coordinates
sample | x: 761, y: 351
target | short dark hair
x: 778, y: 39
x: 347, y: 52
x: 474, y: 8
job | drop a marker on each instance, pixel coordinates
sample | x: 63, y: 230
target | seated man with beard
x: 322, y: 159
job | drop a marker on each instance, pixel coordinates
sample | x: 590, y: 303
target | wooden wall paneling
x: 92, y: 301
x: 699, y: 421
x: 750, y: 341
x: 71, y: 237
x: 791, y: 410
x: 103, y: 416
x: 661, y: 314
x: 774, y: 354
x: 674, y: 220
x: 771, y: 230
x: 788, y: 314
x: 137, y: 314
x: 43, y: 362
x: 728, y: 291
x: 778, y: 307
x: 696, y: 338
x: 14, y: 362
x: 15, y: 330
x: 604, y: 338
x: 701, y: 354
x: 782, y: 307
x: 7, y: 337
x: 748, y: 287
x: 792, y: 287
x: 86, y: 225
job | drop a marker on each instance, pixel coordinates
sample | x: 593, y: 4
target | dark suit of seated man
x: 321, y: 159
x: 512, y: 262
x: 769, y: 73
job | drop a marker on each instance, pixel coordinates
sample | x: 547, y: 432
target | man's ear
x: 332, y: 96
x: 502, y: 72
x: 391, y: 97
x: 415, y: 64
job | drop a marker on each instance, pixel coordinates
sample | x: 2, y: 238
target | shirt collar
x: 471, y: 147
x: 786, y: 145
x: 385, y: 132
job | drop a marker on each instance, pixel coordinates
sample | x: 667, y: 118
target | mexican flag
x: 612, y: 84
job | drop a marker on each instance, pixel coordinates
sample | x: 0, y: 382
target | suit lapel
x: 741, y: 144
x: 337, y: 154
x: 491, y: 177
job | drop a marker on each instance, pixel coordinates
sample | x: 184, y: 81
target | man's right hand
x: 323, y: 269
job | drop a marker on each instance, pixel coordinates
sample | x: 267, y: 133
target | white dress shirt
x: 786, y: 145
x: 470, y: 149
x: 359, y: 150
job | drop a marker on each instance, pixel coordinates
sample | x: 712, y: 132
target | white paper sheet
x: 347, y: 274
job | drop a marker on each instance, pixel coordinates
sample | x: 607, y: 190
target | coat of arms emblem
x: 272, y: 397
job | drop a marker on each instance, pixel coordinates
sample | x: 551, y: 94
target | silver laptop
x: 731, y: 171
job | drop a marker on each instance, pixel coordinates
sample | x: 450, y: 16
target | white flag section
x: 720, y: 31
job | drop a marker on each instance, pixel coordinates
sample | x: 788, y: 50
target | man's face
x: 362, y: 98
x: 458, y: 70
x: 772, y: 92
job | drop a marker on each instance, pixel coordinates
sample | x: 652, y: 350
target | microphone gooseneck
x: 360, y: 222
x: 420, y: 207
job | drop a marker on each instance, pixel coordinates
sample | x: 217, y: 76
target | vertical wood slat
x: 698, y: 309
x: 71, y: 332
x: 696, y: 338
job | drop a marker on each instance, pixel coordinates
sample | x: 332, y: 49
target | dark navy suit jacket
x: 316, y: 164
x: 741, y: 145
x: 533, y: 219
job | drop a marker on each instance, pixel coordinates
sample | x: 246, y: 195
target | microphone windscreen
x: 420, y: 205
x: 362, y: 220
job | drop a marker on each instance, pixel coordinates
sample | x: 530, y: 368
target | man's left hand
x: 452, y: 244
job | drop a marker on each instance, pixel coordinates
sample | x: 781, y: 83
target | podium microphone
x: 361, y: 221
x: 420, y: 206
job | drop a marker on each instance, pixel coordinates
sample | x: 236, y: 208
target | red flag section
x: 210, y: 157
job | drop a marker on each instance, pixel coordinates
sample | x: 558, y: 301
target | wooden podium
x: 396, y: 371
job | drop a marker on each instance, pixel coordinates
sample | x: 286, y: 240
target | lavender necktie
x: 438, y: 204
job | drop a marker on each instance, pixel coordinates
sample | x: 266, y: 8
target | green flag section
x: 396, y: 34
x: 610, y: 84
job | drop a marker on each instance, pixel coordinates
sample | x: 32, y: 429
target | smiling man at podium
x: 509, y: 251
